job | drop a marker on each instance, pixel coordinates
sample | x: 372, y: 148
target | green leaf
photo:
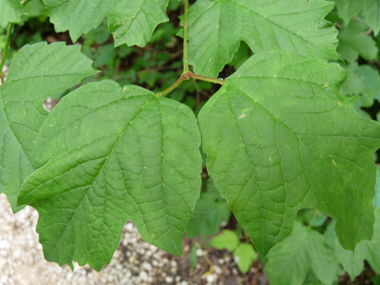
x: 227, y: 239
x: 304, y: 250
x: 353, y: 262
x: 113, y: 155
x: 372, y: 14
x: 376, y: 280
x: 279, y: 137
x: 241, y: 56
x: 132, y: 22
x: 353, y: 43
x: 362, y: 80
x: 37, y: 72
x: 245, y: 254
x: 208, y: 216
x: 305, y: 216
x: 193, y: 257
x: 216, y: 29
x: 347, y: 9
x: 376, y: 200
x: 370, y: 249
x: 371, y: 80
x: 10, y: 11
x: 354, y: 84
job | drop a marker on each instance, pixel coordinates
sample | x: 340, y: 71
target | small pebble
x: 144, y: 276
x: 212, y: 278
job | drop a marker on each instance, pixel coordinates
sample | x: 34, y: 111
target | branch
x: 185, y: 57
x: 187, y: 76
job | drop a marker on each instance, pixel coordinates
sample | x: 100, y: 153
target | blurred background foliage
x: 159, y: 64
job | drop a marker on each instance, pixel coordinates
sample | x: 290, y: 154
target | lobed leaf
x: 352, y: 43
x: 10, y: 11
x: 37, y: 72
x: 371, y: 80
x: 347, y: 9
x: 354, y: 84
x: 279, y: 137
x: 353, y: 262
x: 208, y: 217
x: 113, y: 155
x: 303, y: 251
x: 244, y: 256
x: 372, y: 14
x: 132, y: 22
x: 216, y: 29
x: 227, y: 239
x: 362, y: 80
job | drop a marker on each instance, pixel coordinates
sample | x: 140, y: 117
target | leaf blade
x: 10, y: 11
x: 295, y: 26
x: 147, y: 15
x: 42, y: 67
x: 290, y: 261
x: 131, y: 22
x: 270, y: 151
x: 142, y: 155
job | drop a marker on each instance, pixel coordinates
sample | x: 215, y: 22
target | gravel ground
x: 134, y: 262
x: 22, y: 261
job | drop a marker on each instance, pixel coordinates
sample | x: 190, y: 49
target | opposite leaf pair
x: 278, y: 135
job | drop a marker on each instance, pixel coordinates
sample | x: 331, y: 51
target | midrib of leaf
x: 292, y: 256
x: 354, y: 206
x: 204, y: 11
x: 11, y: 3
x: 250, y: 163
x: 69, y: 222
x: 95, y: 176
x: 282, y: 170
x: 10, y: 127
x: 324, y: 159
x: 134, y: 17
x: 104, y: 162
x: 162, y: 176
x: 217, y: 43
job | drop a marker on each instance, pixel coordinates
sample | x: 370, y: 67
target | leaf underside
x: 132, y: 22
x: 279, y: 137
x: 116, y: 155
x: 37, y: 72
x: 216, y: 29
